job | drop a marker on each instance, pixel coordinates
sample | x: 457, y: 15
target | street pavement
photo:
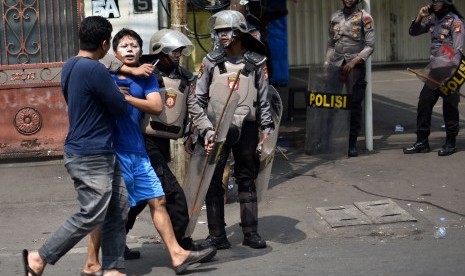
x: 37, y: 196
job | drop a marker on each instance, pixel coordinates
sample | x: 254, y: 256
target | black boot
x: 419, y: 147
x: 131, y: 254
x: 254, y: 240
x: 352, y: 146
x: 352, y: 152
x: 249, y: 220
x: 448, y: 148
x: 190, y: 245
x: 218, y: 242
x: 216, y: 225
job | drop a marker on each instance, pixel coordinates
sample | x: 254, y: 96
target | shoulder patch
x: 367, y: 19
x: 200, y: 74
x: 457, y: 27
x: 265, y: 72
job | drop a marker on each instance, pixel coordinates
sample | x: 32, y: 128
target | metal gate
x: 37, y: 37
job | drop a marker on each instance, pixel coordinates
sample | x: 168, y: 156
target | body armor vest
x: 223, y: 78
x: 170, y: 123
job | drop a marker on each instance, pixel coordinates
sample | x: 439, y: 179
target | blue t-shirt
x: 128, y: 134
x: 94, y: 101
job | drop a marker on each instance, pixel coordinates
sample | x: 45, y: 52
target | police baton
x: 429, y: 79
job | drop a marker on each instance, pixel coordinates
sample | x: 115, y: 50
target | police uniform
x: 350, y: 35
x: 252, y: 114
x: 158, y: 149
x: 447, y: 38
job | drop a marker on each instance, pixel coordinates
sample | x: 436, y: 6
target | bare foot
x: 36, y: 263
x: 92, y: 268
x: 179, y: 257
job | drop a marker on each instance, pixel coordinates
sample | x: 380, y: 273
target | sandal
x: 27, y: 269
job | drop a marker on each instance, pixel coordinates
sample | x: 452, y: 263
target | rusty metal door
x: 37, y: 37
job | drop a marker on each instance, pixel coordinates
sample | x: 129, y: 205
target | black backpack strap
x: 65, y: 88
x: 252, y: 61
x: 159, y: 77
x: 186, y: 78
x: 217, y: 57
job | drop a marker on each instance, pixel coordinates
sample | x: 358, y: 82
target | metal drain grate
x: 367, y: 212
x: 384, y: 211
x: 339, y: 216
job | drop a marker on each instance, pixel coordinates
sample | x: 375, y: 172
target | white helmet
x: 228, y: 19
x: 168, y: 40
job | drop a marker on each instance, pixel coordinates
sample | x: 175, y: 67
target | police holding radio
x: 446, y: 26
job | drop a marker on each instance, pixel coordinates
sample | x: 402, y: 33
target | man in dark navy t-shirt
x: 94, y: 101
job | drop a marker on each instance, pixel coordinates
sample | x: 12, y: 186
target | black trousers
x: 246, y: 165
x: 356, y: 85
x: 428, y: 98
x: 176, y: 204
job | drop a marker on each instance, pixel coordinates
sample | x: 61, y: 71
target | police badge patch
x: 170, y: 100
x: 231, y: 81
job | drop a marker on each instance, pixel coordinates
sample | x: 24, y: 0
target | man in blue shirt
x: 141, y: 181
x: 89, y: 155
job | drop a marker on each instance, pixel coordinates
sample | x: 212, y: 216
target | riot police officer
x: 350, y: 43
x: 445, y: 24
x: 175, y: 84
x: 252, y: 118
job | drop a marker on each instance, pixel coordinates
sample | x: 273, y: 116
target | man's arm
x: 197, y: 107
x: 114, y: 65
x: 330, y: 48
x: 264, y: 107
x: 107, y: 90
x: 420, y: 25
x: 152, y: 103
x: 369, y: 29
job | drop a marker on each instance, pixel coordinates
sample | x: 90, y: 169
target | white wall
x: 308, y: 30
x: 145, y: 24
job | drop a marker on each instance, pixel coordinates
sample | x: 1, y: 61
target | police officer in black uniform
x: 445, y: 24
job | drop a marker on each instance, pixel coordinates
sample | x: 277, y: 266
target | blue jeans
x: 103, y: 200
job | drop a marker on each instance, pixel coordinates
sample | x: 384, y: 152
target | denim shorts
x: 141, y: 180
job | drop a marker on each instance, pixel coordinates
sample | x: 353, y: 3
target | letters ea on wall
x: 106, y: 8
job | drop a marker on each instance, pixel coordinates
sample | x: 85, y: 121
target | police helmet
x: 359, y: 1
x: 448, y: 2
x: 228, y: 19
x: 168, y: 40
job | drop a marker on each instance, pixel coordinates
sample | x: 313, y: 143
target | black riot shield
x: 328, y: 115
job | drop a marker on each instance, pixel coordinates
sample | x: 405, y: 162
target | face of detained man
x: 128, y: 51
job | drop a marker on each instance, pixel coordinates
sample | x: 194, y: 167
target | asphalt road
x: 36, y: 197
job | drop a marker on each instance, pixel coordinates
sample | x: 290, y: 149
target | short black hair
x: 124, y: 32
x: 93, y: 31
